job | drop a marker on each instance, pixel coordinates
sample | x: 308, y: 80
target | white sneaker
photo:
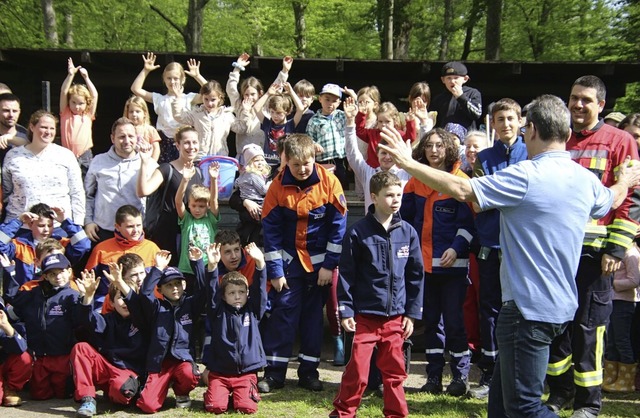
x: 183, y: 401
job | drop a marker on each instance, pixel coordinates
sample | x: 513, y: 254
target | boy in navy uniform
x: 303, y: 219
x: 379, y: 296
x: 117, y: 362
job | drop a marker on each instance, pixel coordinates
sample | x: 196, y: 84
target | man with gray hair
x: 544, y: 202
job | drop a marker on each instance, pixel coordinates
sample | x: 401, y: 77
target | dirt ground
x: 328, y: 373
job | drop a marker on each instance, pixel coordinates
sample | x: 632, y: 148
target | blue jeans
x: 518, y: 377
x: 619, y: 338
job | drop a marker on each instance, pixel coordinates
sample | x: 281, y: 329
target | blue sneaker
x: 87, y: 408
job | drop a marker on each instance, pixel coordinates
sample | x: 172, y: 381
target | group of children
x: 127, y: 321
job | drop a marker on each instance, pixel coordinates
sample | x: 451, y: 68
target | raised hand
x: 89, y: 282
x: 213, y: 254
x: 189, y: 170
x: 214, y: 170
x: 255, y: 253
x: 28, y: 217
x: 243, y: 59
x: 162, y: 259
x: 287, y: 62
x: 194, y: 68
x: 83, y: 72
x: 114, y: 274
x: 350, y: 108
x: 72, y: 69
x: 195, y: 253
x: 150, y: 61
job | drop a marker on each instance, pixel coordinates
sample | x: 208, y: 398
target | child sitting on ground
x: 115, y: 364
x: 235, y: 312
x: 47, y: 309
x: 15, y: 361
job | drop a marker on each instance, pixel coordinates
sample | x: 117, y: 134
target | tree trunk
x: 474, y: 16
x: 447, y: 29
x: 68, y: 29
x: 49, y: 19
x: 385, y: 8
x: 403, y: 26
x: 493, y: 30
x: 193, y: 30
x: 299, y: 9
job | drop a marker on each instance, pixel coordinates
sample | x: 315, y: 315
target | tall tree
x: 447, y: 30
x: 403, y: 25
x: 49, y: 20
x: 493, y: 30
x: 299, y: 8
x: 477, y: 8
x: 192, y: 31
x: 385, y: 11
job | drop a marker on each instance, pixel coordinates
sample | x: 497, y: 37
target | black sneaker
x: 268, y: 384
x: 458, y: 387
x: 311, y: 383
x: 557, y: 403
x: 433, y: 386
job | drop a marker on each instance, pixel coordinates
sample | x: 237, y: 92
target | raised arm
x: 214, y: 173
x: 149, y: 65
x: 187, y: 173
x: 92, y: 91
x: 300, y: 109
x: 234, y: 77
x: 66, y: 84
x: 262, y: 101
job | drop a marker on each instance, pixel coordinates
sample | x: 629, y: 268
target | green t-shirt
x: 198, y: 233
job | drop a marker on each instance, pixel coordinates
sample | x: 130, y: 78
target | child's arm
x: 8, y: 230
x: 136, y: 86
x: 180, y: 113
x: 79, y: 244
x: 262, y: 101
x: 114, y: 275
x: 234, y: 77
x: 241, y: 123
x: 259, y: 284
x: 92, y: 91
x: 283, y: 75
x: 194, y: 72
x: 187, y: 173
x: 300, y: 109
x: 87, y: 285
x: 214, y: 172
x: 66, y: 84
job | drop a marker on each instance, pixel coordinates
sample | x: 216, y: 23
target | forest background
x: 410, y: 30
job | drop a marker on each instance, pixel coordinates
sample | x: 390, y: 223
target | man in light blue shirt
x: 544, y: 204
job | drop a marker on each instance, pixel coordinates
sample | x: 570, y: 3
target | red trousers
x: 179, y: 374
x: 49, y: 377
x: 386, y: 334
x: 91, y: 370
x: 244, y: 389
x: 15, y: 372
